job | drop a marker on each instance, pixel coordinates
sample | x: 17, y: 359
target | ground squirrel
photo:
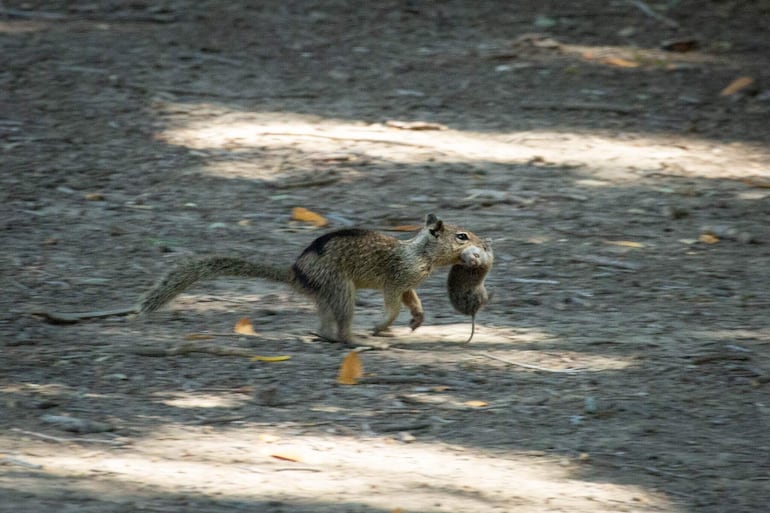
x: 336, y: 264
x: 465, y: 283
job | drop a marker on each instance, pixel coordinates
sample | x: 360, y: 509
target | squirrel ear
x: 434, y: 225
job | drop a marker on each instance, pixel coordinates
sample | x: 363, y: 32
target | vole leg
x: 392, y: 307
x: 412, y: 302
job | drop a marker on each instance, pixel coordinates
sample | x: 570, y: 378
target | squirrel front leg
x: 412, y: 302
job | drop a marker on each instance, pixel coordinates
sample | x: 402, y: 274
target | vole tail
x: 473, y: 328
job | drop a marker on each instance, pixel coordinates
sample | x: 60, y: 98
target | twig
x: 601, y: 107
x: 218, y: 94
x: 306, y: 184
x: 40, y: 15
x: 191, y: 348
x: 75, y: 317
x: 117, y: 17
x: 410, y: 379
x: 341, y: 138
x: 706, y: 358
x: 414, y: 426
x: 607, y: 262
x: 21, y: 463
x: 649, y: 11
x: 62, y: 440
x: 535, y: 281
x: 529, y: 366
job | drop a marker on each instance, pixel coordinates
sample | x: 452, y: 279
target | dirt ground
x: 623, y: 365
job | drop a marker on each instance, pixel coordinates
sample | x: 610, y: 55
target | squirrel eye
x: 462, y: 236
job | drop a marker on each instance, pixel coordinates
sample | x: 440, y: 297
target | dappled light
x: 271, y: 464
x: 624, y: 157
x: 210, y: 400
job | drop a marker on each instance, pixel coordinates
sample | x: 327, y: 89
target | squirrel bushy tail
x: 191, y: 272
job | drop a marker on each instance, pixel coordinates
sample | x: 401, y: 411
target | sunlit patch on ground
x: 252, y: 463
x: 595, y: 155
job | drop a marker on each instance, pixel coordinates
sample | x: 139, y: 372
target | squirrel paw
x: 416, y: 320
x: 385, y: 332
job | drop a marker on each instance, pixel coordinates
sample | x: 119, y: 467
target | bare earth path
x: 624, y: 364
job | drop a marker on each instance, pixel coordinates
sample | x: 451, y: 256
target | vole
x: 465, y: 283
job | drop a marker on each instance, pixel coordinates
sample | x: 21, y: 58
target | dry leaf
x: 94, y: 196
x: 707, y: 238
x: 476, y: 404
x: 351, y: 369
x: 404, y: 228
x: 620, y: 62
x: 308, y: 216
x: 281, y: 358
x: 681, y: 45
x: 624, y: 243
x: 736, y: 85
x: 244, y: 327
x: 285, y: 456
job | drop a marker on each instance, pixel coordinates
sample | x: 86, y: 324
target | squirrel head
x: 452, y: 244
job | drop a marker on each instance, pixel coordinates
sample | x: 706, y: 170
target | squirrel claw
x: 416, y: 321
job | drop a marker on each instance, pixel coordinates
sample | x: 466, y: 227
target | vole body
x: 465, y: 282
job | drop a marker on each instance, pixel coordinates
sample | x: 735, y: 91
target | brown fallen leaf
x: 707, y: 238
x: 737, y: 85
x: 681, y: 45
x: 476, y: 403
x: 308, y: 216
x: 624, y: 243
x: 620, y: 62
x: 351, y: 369
x: 244, y: 327
x: 285, y: 456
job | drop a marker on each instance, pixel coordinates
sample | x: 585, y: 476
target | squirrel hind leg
x: 392, y: 308
x: 335, y: 308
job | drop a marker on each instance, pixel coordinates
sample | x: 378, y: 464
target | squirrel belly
x: 334, y: 266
